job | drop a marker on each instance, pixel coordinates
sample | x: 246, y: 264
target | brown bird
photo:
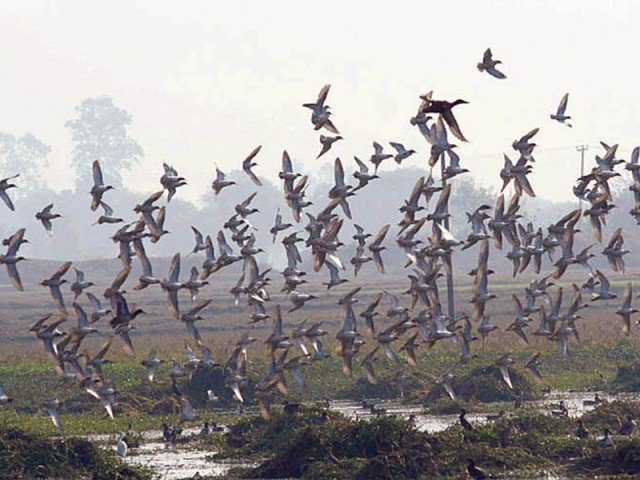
x: 445, y: 109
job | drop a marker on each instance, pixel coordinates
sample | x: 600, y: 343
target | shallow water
x: 177, y: 462
x: 173, y: 462
x: 431, y: 423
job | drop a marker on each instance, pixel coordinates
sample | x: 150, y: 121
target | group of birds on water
x: 429, y: 256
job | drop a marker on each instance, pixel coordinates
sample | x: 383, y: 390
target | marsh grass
x: 29, y: 456
x: 590, y: 368
x: 300, y: 446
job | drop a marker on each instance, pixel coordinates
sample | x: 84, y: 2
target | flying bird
x: 248, y: 164
x: 220, y: 182
x: 488, y: 64
x: 45, y: 216
x: 327, y: 142
x: 99, y: 188
x: 5, y: 184
x: 402, y: 153
x: 320, y: 115
x: 560, y: 116
x: 445, y: 109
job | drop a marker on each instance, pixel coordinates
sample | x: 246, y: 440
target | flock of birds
x: 423, y: 321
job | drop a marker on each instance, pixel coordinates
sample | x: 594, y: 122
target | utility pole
x: 582, y: 149
x: 450, y: 296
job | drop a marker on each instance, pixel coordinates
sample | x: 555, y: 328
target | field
x: 27, y: 373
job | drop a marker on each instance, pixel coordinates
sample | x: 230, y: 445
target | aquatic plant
x: 27, y: 456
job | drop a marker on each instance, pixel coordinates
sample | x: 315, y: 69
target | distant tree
x: 100, y: 133
x: 25, y: 155
x: 466, y: 196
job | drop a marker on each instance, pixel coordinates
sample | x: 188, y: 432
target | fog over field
x: 196, y: 89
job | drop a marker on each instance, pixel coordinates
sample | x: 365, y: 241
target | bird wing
x: 338, y: 173
x: 563, y: 104
x: 487, y: 57
x: 377, y: 259
x: 198, y: 235
x: 14, y: 276
x: 97, y: 174
x: 504, y: 371
x: 7, y: 200
x: 381, y: 234
x: 61, y: 271
x: 494, y: 72
x: 453, y: 125
x: 174, y: 268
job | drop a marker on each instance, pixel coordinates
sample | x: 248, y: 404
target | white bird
x: 122, y: 446
x: 4, y: 398
x: 52, y: 407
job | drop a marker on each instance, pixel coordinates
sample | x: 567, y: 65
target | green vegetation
x: 485, y: 384
x: 628, y: 378
x: 27, y: 456
x: 147, y: 405
x: 303, y: 446
x: 611, y: 415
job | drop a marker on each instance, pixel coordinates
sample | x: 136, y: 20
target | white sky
x: 207, y: 81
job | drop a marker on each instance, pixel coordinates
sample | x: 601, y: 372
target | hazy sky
x: 207, y: 81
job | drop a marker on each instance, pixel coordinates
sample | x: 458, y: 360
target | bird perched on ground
x: 581, y: 431
x: 463, y: 420
x: 607, y: 440
x: 122, y: 446
x: 4, y: 398
x: 474, y: 472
